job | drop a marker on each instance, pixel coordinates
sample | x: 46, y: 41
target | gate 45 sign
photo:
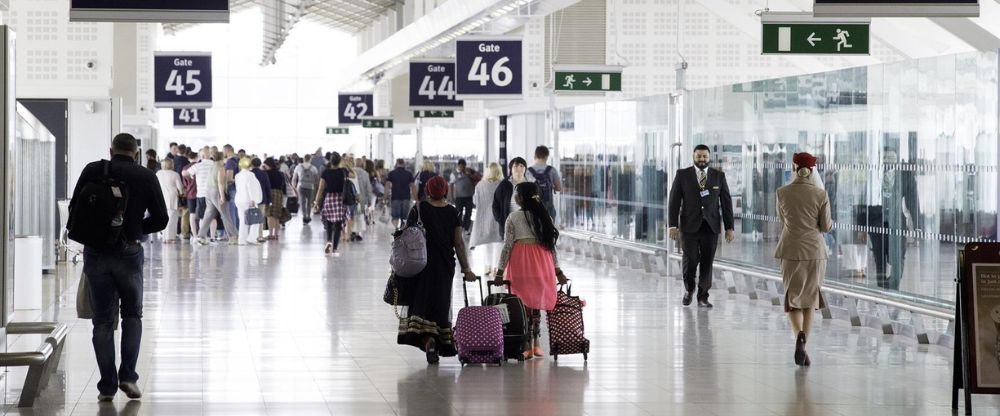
x: 183, y: 79
x: 432, y: 85
x: 489, y: 68
x: 351, y: 108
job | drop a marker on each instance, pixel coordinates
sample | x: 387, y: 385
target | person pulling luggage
x: 530, y: 251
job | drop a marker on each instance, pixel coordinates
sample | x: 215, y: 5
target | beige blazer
x: 804, y: 213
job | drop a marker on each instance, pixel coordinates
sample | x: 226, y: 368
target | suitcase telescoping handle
x: 465, y: 291
x: 491, y: 283
x: 568, y: 286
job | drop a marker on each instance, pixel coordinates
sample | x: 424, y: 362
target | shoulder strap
x: 420, y: 221
x: 548, y: 170
x: 107, y: 169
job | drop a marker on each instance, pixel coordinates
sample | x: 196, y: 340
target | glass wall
x: 908, y: 155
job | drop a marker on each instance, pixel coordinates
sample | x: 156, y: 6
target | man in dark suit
x: 697, y: 196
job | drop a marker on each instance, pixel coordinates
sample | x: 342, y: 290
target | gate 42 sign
x: 351, y: 108
x: 489, y: 68
x: 183, y: 79
x: 432, y: 85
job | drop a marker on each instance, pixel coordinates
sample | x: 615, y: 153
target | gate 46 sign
x: 432, y: 85
x: 182, y: 79
x: 488, y: 68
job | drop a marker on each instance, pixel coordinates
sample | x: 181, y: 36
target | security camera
x: 91, y: 64
x: 534, y: 85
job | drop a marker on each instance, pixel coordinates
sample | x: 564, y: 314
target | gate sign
x: 489, y: 68
x: 432, y: 85
x: 183, y: 79
x: 351, y: 108
x: 165, y: 11
x: 186, y: 118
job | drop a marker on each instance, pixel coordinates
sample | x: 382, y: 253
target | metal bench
x: 42, y: 362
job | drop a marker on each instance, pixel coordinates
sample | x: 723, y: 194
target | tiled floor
x: 283, y: 330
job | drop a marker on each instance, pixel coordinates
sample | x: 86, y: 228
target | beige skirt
x: 802, y: 280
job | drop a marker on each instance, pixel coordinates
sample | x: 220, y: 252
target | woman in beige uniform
x: 804, y: 211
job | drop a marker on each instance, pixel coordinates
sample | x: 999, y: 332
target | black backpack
x: 98, y: 212
x: 350, y: 192
x: 544, y: 182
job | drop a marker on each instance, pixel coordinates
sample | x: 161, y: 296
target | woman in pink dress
x: 530, y: 251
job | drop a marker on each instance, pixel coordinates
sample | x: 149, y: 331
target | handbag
x: 398, y: 292
x: 253, y: 216
x: 83, y: 307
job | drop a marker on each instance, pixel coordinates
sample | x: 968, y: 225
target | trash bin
x: 28, y: 272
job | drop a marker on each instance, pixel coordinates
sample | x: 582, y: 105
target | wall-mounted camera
x: 91, y: 64
x: 534, y: 84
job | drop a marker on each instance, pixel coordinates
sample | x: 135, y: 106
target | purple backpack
x: 409, y: 250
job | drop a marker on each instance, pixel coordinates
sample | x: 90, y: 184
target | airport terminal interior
x: 885, y: 111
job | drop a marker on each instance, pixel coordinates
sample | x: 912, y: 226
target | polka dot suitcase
x: 566, y: 326
x: 479, y: 334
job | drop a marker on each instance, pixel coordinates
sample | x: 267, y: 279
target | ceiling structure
x: 281, y: 16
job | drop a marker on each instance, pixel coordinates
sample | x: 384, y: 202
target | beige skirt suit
x: 804, y: 212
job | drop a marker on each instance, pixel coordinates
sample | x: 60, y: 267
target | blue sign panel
x: 182, y: 79
x: 167, y: 11
x: 187, y: 118
x: 489, y: 68
x: 351, y: 108
x: 432, y: 85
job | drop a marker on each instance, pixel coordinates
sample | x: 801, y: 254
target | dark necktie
x: 702, y: 178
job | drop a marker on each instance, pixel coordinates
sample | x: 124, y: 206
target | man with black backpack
x: 547, y: 179
x: 106, y: 216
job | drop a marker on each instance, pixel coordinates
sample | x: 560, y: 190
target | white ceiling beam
x: 969, y: 32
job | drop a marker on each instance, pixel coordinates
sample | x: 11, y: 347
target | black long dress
x: 430, y: 308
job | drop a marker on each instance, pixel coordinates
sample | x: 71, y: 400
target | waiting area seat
x: 41, y: 362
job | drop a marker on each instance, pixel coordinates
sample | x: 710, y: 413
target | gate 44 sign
x: 351, y: 108
x: 189, y: 117
x: 182, y: 79
x: 489, y: 68
x: 432, y: 85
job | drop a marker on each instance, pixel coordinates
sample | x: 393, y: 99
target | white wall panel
x: 89, y: 135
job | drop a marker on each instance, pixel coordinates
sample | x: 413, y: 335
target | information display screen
x: 170, y: 11
x: 896, y: 8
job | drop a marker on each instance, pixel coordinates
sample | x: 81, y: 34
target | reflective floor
x: 283, y: 330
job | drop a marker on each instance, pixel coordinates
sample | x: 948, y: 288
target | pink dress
x: 528, y: 265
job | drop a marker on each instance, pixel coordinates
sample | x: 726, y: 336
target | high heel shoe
x: 800, y: 348
x: 431, y: 350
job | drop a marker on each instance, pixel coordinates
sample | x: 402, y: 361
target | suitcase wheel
x: 584, y: 356
x: 555, y: 357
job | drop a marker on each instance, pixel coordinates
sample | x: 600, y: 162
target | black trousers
x: 465, y: 205
x: 699, y: 254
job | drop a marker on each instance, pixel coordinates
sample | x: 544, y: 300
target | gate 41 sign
x: 351, y: 108
x: 189, y: 117
x: 182, y: 79
x: 432, y: 85
x: 489, y: 68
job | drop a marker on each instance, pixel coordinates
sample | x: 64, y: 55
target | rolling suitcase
x: 514, y: 318
x: 566, y: 326
x: 478, y: 333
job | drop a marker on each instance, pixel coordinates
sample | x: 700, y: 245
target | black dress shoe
x: 800, y: 349
x: 687, y: 299
x: 704, y: 303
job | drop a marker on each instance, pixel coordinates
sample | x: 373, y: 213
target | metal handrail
x: 940, y: 310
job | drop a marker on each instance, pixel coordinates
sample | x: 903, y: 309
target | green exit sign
x: 588, y: 78
x: 816, y: 38
x: 338, y: 130
x: 376, y: 123
x: 433, y: 114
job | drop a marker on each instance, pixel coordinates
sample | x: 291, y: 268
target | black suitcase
x: 515, y: 329
x: 292, y: 205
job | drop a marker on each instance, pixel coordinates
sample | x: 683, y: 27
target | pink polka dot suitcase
x: 479, y: 334
x: 566, y: 326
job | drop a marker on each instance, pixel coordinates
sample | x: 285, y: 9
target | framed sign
x: 432, y: 85
x: 352, y: 108
x: 165, y: 11
x: 896, y: 8
x: 182, y: 79
x: 489, y: 68
x: 189, y: 118
x: 981, y: 315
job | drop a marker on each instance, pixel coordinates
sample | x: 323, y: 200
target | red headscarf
x: 437, y: 188
x: 804, y: 160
